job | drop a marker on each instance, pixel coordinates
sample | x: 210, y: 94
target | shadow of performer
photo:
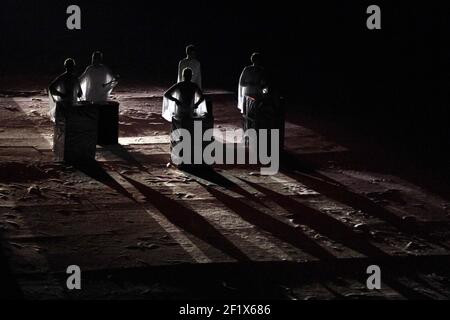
x: 94, y: 170
x: 321, y: 222
x: 188, y: 220
x: 279, y: 229
x: 209, y: 174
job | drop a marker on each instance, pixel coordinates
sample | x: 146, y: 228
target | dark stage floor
x: 141, y: 229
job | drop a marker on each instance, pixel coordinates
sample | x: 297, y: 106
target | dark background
x: 393, y: 81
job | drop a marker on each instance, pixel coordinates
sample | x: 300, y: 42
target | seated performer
x: 65, y: 88
x: 252, y: 81
x: 183, y: 94
x: 192, y: 63
x: 97, y: 81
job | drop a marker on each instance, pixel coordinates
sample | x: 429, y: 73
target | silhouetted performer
x: 66, y: 88
x: 192, y: 63
x: 97, y: 81
x: 252, y: 81
x: 183, y: 94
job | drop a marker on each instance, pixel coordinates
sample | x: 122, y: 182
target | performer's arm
x: 113, y: 81
x: 52, y: 88
x: 169, y: 94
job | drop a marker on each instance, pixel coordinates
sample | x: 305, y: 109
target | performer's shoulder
x: 247, y: 69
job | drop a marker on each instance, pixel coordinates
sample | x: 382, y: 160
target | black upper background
x: 320, y: 52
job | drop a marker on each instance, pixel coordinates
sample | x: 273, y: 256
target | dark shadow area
x: 291, y: 235
x: 391, y: 278
x: 403, y: 96
x: 335, y: 230
x: 121, y: 152
x: 402, y: 289
x: 340, y: 193
x: 9, y: 288
x: 188, y: 220
x: 94, y: 170
x: 209, y: 174
x: 430, y: 179
x: 269, y: 280
x: 367, y: 152
x: 12, y: 172
x: 321, y: 222
x: 420, y: 279
x: 293, y: 162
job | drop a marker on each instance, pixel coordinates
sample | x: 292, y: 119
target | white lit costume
x: 169, y: 107
x: 251, y: 84
x: 97, y: 83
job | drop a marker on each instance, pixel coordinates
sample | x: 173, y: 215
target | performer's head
x: 187, y: 74
x: 69, y: 65
x: 190, y: 51
x: 97, y: 57
x: 256, y: 59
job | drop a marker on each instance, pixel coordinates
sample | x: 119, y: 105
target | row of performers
x: 183, y: 99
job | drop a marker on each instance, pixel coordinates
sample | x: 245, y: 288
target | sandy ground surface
x: 140, y: 229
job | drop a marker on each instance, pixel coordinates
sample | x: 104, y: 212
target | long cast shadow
x: 209, y: 174
x: 95, y: 171
x: 188, y: 220
x: 315, y: 219
x: 341, y: 194
x: 272, y: 225
x: 320, y: 222
x: 121, y: 152
x: 306, y: 174
x: 391, y: 279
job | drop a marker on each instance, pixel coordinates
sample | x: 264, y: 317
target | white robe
x: 169, y: 107
x: 97, y: 83
x: 194, y: 65
x: 253, y: 77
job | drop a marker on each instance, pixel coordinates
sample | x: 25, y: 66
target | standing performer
x: 97, y: 81
x: 66, y: 88
x: 183, y: 94
x: 252, y: 81
x: 191, y: 62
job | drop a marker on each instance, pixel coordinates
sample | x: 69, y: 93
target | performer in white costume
x: 97, y: 82
x: 66, y: 88
x: 187, y: 91
x: 191, y: 62
x: 252, y: 80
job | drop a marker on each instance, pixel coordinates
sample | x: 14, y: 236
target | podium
x: 207, y: 122
x: 80, y: 126
x: 75, y: 132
